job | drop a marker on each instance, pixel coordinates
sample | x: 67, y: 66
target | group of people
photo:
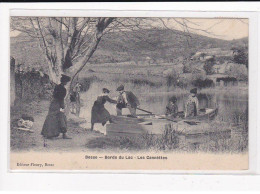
x: 125, y: 99
x: 56, y: 122
x: 191, y: 105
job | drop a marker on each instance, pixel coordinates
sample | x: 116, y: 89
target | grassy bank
x: 170, y: 141
x: 84, y: 139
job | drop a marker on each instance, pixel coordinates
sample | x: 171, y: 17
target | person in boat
x: 192, y: 104
x: 56, y: 121
x: 126, y: 99
x: 75, y: 99
x: 99, y: 113
x: 172, y: 107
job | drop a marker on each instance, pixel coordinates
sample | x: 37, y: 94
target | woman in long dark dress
x: 56, y: 121
x: 99, y: 113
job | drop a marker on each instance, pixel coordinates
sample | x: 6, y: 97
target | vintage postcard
x: 128, y: 93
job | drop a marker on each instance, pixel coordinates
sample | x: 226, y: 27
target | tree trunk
x: 79, y: 66
x: 73, y: 70
x: 12, y: 81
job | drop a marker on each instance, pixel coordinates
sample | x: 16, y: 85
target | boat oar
x: 156, y: 115
x: 162, y: 117
x: 145, y: 111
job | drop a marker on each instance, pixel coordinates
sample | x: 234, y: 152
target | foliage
x: 198, y: 75
x: 208, y: 66
x: 239, y: 71
x: 241, y: 55
x: 86, y: 82
x: 142, y: 81
x: 200, y: 83
x: 33, y: 85
x: 187, y: 68
x: 172, y: 79
x: 183, y: 82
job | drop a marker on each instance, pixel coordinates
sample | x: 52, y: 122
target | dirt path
x: 34, y: 141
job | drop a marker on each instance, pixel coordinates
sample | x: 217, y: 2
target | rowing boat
x: 191, y: 130
x: 204, y: 114
x: 150, y: 123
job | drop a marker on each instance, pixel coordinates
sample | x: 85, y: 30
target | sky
x: 227, y: 29
x: 222, y: 28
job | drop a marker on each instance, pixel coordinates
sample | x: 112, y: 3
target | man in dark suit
x: 126, y: 99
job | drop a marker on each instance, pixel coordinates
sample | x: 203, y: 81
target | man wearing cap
x: 192, y: 104
x: 126, y: 99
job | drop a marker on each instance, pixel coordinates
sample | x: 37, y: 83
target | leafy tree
x: 208, y: 66
x: 186, y: 68
x: 240, y: 55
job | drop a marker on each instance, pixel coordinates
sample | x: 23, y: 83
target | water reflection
x: 226, y: 104
x: 155, y: 100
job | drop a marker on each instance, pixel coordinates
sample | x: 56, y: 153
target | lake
x: 233, y: 104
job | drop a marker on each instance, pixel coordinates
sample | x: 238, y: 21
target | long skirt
x: 99, y: 114
x: 55, y: 122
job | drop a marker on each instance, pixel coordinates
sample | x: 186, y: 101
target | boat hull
x: 136, y: 127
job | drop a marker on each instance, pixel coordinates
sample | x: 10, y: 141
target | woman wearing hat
x: 99, y: 113
x: 56, y: 122
x: 172, y: 108
x: 192, y: 104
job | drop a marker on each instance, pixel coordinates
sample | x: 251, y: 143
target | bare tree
x: 69, y: 42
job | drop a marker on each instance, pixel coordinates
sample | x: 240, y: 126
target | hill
x: 155, y: 44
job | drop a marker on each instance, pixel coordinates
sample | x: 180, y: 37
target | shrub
x: 198, y: 75
x: 187, y: 68
x: 172, y: 79
x: 33, y: 85
x: 86, y: 82
x: 241, y: 55
x: 203, y: 83
x: 140, y: 81
x: 239, y: 71
x: 208, y: 67
x: 183, y: 82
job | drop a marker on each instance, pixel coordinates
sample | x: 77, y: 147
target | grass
x: 113, y: 143
x: 21, y: 139
x: 143, y: 142
x: 236, y: 144
x: 171, y: 140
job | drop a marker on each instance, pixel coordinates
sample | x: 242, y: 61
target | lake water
x: 232, y: 105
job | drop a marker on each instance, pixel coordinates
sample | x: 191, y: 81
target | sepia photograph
x: 129, y: 93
